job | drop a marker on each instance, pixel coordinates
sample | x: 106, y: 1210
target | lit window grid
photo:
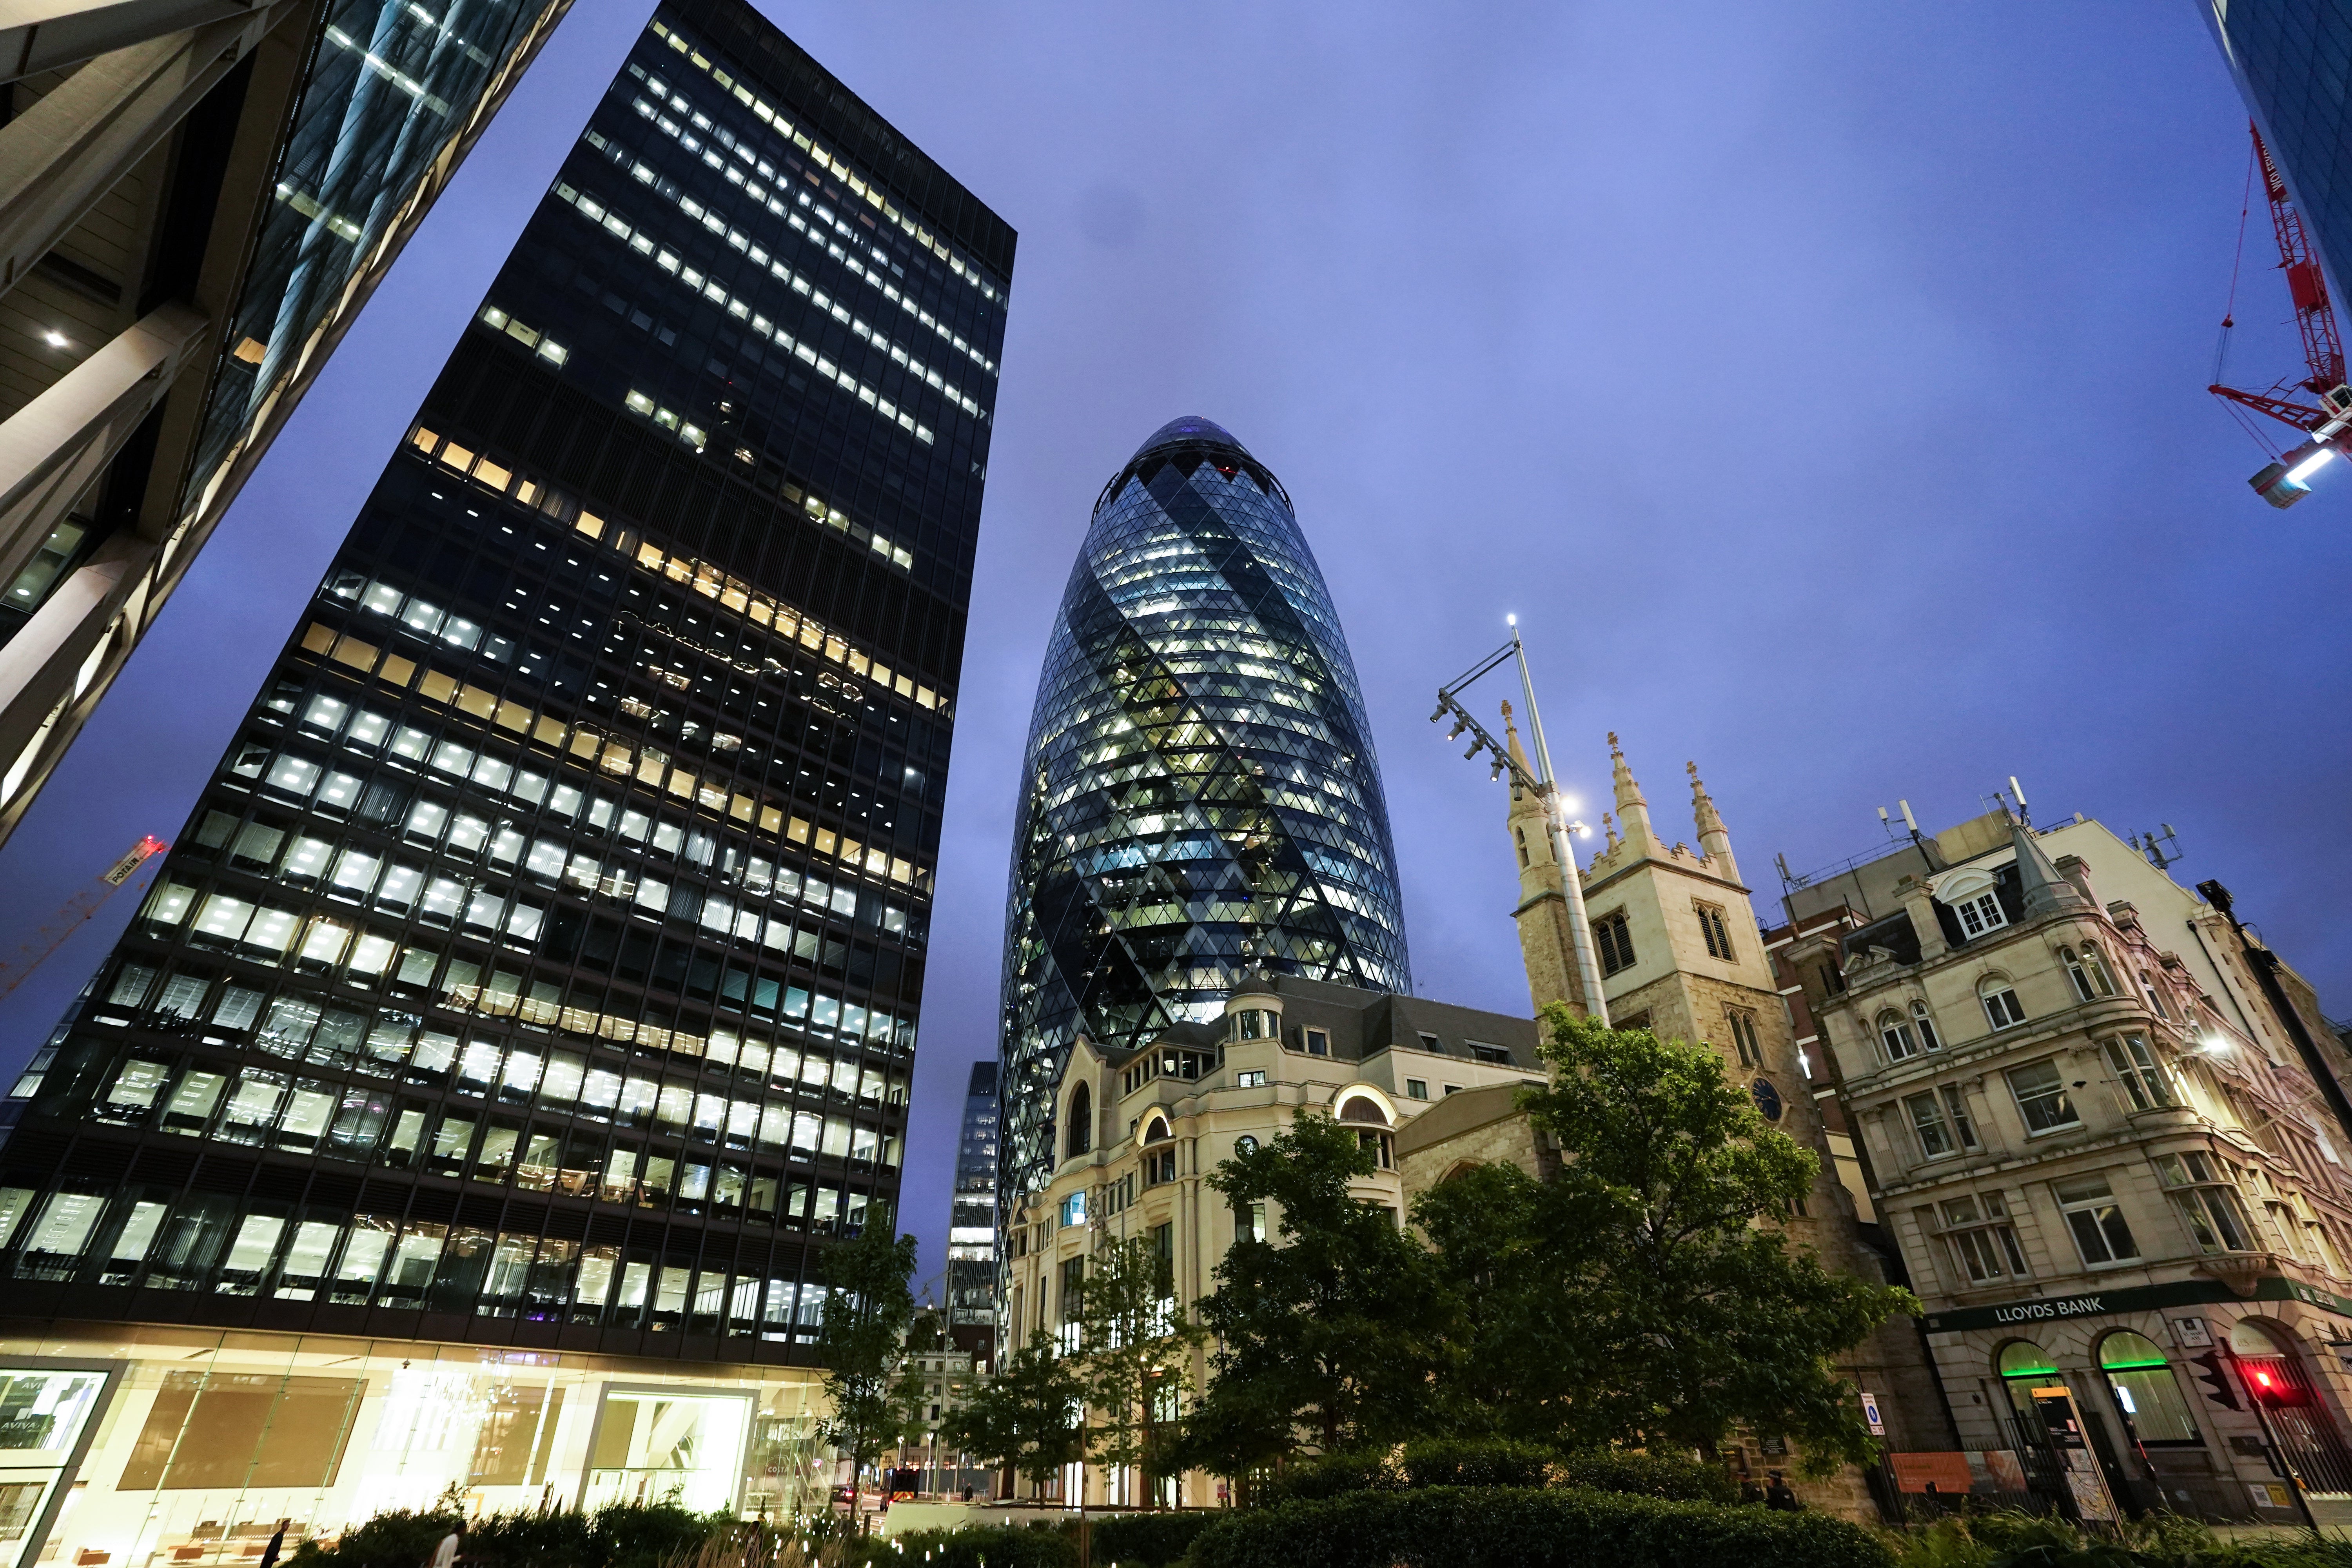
x: 872, y: 194
x: 766, y: 199
x: 588, y: 745
x: 276, y: 1249
x: 692, y: 279
x: 772, y: 616
x: 372, y: 733
x: 439, y: 872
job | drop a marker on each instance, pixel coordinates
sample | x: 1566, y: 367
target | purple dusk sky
x: 1822, y: 386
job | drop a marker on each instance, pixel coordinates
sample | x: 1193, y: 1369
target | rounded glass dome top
x: 1191, y: 427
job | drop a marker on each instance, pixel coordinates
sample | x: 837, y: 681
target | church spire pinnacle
x: 1632, y: 809
x: 1714, y: 840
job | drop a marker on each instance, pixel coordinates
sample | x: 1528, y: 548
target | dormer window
x: 1980, y: 914
x: 1319, y: 1042
x: 1969, y: 893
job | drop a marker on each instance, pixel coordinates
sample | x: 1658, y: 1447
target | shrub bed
x: 623, y: 1535
x: 1501, y: 1527
x: 973, y: 1545
x: 1648, y: 1475
x: 1150, y: 1540
x: 1474, y: 1462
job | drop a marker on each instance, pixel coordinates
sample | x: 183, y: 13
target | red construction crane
x: 2327, y: 425
x: 78, y: 911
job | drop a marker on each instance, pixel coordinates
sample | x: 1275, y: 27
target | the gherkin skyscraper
x: 1200, y: 793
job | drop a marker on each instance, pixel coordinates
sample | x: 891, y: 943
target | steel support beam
x: 56, y: 447
x: 60, y: 157
x: 38, y: 36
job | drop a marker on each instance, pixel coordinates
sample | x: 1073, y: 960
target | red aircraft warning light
x: 2326, y: 428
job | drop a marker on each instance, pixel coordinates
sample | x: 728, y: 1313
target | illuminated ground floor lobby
x: 128, y: 1446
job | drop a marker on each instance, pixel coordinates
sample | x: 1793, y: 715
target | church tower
x: 1544, y: 943
x: 1680, y: 956
x: 1678, y: 946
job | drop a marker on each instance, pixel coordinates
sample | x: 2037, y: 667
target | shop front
x: 138, y: 1446
x: 2189, y: 1398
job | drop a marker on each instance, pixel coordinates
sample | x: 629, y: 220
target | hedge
x: 621, y: 1535
x: 1648, y: 1475
x: 1332, y: 1475
x: 1150, y: 1540
x: 971, y: 1545
x: 1498, y: 1527
x: 1475, y: 1462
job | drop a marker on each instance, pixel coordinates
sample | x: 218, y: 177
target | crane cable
x: 2230, y: 310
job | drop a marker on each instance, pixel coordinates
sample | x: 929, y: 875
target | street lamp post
x: 1546, y: 789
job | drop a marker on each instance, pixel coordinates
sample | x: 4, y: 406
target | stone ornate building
x: 1140, y: 1129
x: 2110, y: 1166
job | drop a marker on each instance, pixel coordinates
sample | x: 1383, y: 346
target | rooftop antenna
x: 1789, y: 880
x: 1909, y: 821
x: 2152, y: 847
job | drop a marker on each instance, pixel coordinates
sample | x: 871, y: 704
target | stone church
x: 1679, y: 954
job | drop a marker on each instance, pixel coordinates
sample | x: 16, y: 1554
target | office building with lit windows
x: 971, y: 1227
x: 1199, y: 794
x: 535, y: 985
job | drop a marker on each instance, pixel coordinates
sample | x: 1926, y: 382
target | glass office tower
x: 1200, y: 793
x: 2291, y: 61
x: 536, y: 983
x: 971, y: 1227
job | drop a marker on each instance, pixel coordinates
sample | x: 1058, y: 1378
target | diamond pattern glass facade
x: 1200, y: 793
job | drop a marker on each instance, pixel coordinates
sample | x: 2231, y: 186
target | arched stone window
x: 1895, y: 1033
x: 2023, y: 1366
x: 2146, y: 1392
x: 2000, y: 1004
x: 1081, y: 1138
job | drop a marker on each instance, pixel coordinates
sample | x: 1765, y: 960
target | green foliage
x: 1634, y: 1298
x: 1328, y: 1331
x: 403, y: 1538
x: 979, y: 1546
x: 2010, y: 1539
x: 1648, y: 1475
x: 1474, y: 1462
x: 1135, y: 1352
x: 1026, y: 1416
x: 620, y: 1535
x: 877, y: 1398
x: 1148, y: 1540
x: 1512, y: 1527
x: 1333, y: 1475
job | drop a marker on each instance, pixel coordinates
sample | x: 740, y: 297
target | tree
x: 1135, y: 1352
x: 1327, y: 1332
x: 868, y: 1310
x: 1648, y: 1293
x: 1027, y: 1417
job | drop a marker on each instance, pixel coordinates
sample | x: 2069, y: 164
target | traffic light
x: 2216, y: 1379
